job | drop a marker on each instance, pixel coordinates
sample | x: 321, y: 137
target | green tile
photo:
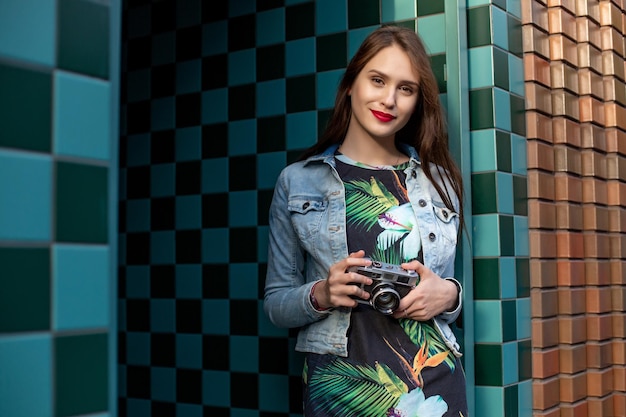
x: 363, y: 13
x: 25, y: 109
x: 83, y: 37
x: 478, y: 26
x: 488, y: 364
x: 481, y: 109
x: 81, y: 203
x: 511, y: 401
x: 518, y: 115
x: 522, y: 272
x: 503, y: 151
x: 82, y: 374
x: 486, y: 279
x: 509, y: 317
x: 426, y: 7
x: 395, y: 10
x: 409, y: 24
x: 484, y: 198
x: 301, y: 93
x: 438, y: 64
x: 524, y: 358
x: 520, y: 195
x: 500, y: 3
x: 331, y: 51
x: 514, y: 26
x: 507, y: 234
x: 500, y: 68
x: 24, y: 289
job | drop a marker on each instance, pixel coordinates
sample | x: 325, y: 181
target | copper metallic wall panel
x: 590, y: 83
x: 563, y: 49
x: 612, y: 64
x: 589, y: 9
x: 540, y: 155
x: 566, y: 131
x: 588, y: 31
x: 545, y: 333
x: 615, y: 115
x: 541, y: 186
x: 567, y: 159
x: 537, y: 69
x: 542, y: 244
x: 543, y: 273
x: 569, y: 5
x: 613, y: 40
x: 534, y: 13
x: 568, y: 188
x: 596, y: 245
x: 546, y: 395
x: 591, y: 110
x: 598, y: 300
x: 570, y: 272
x: 618, y: 246
x: 616, y: 167
x: 538, y: 98
x: 545, y: 362
x: 597, y: 272
x: 594, y: 190
x: 589, y: 57
x: 535, y: 40
x: 569, y: 244
x: 599, y: 382
x: 562, y: 21
x: 544, y: 303
x: 563, y: 76
x: 599, y: 354
x: 593, y: 137
x: 565, y: 103
x: 618, y: 272
x: 569, y: 217
x: 616, y: 141
x: 595, y: 218
x: 617, y: 220
x: 541, y: 215
x: 614, y: 90
x: 594, y: 164
x: 616, y: 193
x: 611, y: 15
x: 571, y: 300
x: 572, y: 329
x: 538, y: 126
x: 599, y: 327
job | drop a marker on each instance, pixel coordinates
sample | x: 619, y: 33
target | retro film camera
x: 390, y: 283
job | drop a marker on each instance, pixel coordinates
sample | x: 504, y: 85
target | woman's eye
x: 406, y: 90
x: 377, y: 80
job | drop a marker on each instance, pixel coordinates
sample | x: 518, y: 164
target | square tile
x: 327, y: 83
x: 481, y: 109
x: 299, y: 21
x: 301, y: 129
x: 331, y: 52
x: 483, y: 150
x: 28, y: 30
x: 300, y: 57
x: 335, y: 16
x: 484, y: 191
x: 478, y: 26
x: 426, y: 7
x: 270, y: 98
x: 242, y: 67
x: 432, y: 31
x: 488, y: 364
x: 486, y: 278
x: 270, y: 27
x: 394, y: 10
x: 489, y: 314
x: 363, y: 13
x: 269, y: 167
x: 485, y: 228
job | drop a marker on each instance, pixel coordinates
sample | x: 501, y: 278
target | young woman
x: 380, y: 186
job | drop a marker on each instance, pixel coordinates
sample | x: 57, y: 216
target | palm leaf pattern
x: 422, y: 333
x: 365, y: 201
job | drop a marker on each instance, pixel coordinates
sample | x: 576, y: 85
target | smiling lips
x: 383, y: 117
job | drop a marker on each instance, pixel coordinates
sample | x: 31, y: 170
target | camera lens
x: 385, y: 298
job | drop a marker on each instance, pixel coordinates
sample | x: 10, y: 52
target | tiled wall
x: 502, y: 328
x: 576, y: 99
x: 58, y: 170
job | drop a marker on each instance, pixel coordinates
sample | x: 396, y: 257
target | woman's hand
x: 341, y: 286
x: 431, y: 297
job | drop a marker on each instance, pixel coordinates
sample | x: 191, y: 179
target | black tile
x: 139, y: 53
x: 189, y: 386
x: 121, y: 341
x: 215, y: 280
x: 263, y: 5
x: 331, y: 52
x: 163, y: 81
x: 162, y: 281
x: 274, y: 355
x: 138, y: 382
x: 264, y: 199
x: 138, y: 117
x: 215, y: 72
x: 242, y: 102
x: 163, y: 15
x: 163, y: 146
x: 363, y: 13
x: 243, y: 317
x: 241, y: 32
x: 163, y: 213
x: 215, y: 210
x: 163, y: 349
x: 244, y: 398
x: 188, y: 110
x: 188, y: 246
x: 162, y: 409
x: 215, y: 412
x: 270, y: 62
x: 214, y: 11
x: 189, y: 316
x: 215, y: 141
x: 300, y: 21
x: 295, y: 394
x: 244, y: 237
x: 216, y: 352
x: 271, y: 134
x: 138, y: 315
x: 301, y: 93
x: 137, y: 248
x: 189, y: 43
x: 242, y: 173
x: 138, y: 182
x: 188, y: 177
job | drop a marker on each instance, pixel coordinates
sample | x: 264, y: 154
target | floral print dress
x: 394, y: 368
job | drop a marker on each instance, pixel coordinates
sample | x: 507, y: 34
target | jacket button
x: 305, y: 205
x: 432, y: 237
x: 422, y: 203
x: 413, y: 174
x: 445, y: 214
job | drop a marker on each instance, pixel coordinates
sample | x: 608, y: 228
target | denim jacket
x: 307, y: 234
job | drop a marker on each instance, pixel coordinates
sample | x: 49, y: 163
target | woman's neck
x: 372, y: 152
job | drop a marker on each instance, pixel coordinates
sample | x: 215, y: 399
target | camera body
x: 390, y: 283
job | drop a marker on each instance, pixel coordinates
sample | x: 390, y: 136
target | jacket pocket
x: 307, y: 215
x: 447, y: 221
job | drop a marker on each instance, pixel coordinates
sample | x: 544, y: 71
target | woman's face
x: 383, y: 95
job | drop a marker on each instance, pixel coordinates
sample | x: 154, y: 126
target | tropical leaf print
x: 423, y: 334
x: 365, y: 201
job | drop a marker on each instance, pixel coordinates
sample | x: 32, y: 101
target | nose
x: 389, y: 97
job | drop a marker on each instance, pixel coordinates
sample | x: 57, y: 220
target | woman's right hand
x: 341, y: 287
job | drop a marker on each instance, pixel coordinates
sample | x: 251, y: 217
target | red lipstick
x: 383, y: 117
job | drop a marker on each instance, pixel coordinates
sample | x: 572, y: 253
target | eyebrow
x: 383, y: 75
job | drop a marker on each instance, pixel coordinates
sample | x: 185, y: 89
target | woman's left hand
x: 431, y: 297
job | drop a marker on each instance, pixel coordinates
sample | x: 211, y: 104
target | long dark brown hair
x: 426, y: 129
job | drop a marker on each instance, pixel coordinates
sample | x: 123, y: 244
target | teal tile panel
x: 516, y: 75
x: 488, y: 363
x: 481, y: 69
x: 326, y: 85
x: 215, y: 106
x: 214, y: 40
x: 335, y: 16
x: 138, y: 407
x: 508, y: 279
x: 27, y: 30
x: 511, y: 400
x: 525, y: 361
x: 489, y: 401
x: 241, y: 7
x: 216, y: 388
x: 81, y: 374
x: 188, y: 351
x: 189, y: 76
x: 270, y: 97
x: 265, y: 328
x: 507, y: 235
x: 356, y: 37
x: 301, y: 129
x: 502, y: 109
x: 188, y: 13
x: 162, y: 247
x: 515, y: 37
x: 486, y: 278
x: 213, y: 178
x: 188, y: 281
x: 394, y: 10
x: 83, y: 37
x: 485, y: 235
x: 363, y: 13
x: 504, y: 192
x: 514, y: 7
x: 163, y: 180
x: 25, y: 387
x: 499, y: 28
x: 82, y: 196
x: 82, y: 287
x: 82, y: 110
x: 25, y: 108
x: 242, y: 207
x: 137, y: 281
x: 138, y: 215
x: 270, y: 27
x: 163, y: 384
x: 483, y: 150
x: 484, y: 192
x: 438, y: 64
x: 482, y: 112
x: 474, y: 3
x: 243, y: 282
x: 138, y: 348
x: 242, y: 137
x: 509, y: 359
x: 163, y: 47
x: 478, y: 26
x: 188, y: 212
x: 138, y: 150
x: 24, y: 290
x: 519, y: 161
x: 432, y: 30
x: 500, y: 3
x: 426, y: 7
x: 522, y: 266
x: 509, y: 316
x: 215, y: 317
x: 188, y: 144
x: 189, y: 410
x: 241, y: 357
x: 503, y: 152
x: 525, y: 402
x: 518, y: 115
x: 215, y: 246
x: 520, y: 224
x: 523, y: 318
x: 163, y: 112
x: 269, y: 167
x: 488, y: 316
x: 300, y: 57
x: 162, y: 315
x: 292, y: 2
x: 500, y: 68
x: 331, y: 52
x: 26, y: 195
x: 242, y: 67
x: 262, y: 242
x: 272, y: 389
